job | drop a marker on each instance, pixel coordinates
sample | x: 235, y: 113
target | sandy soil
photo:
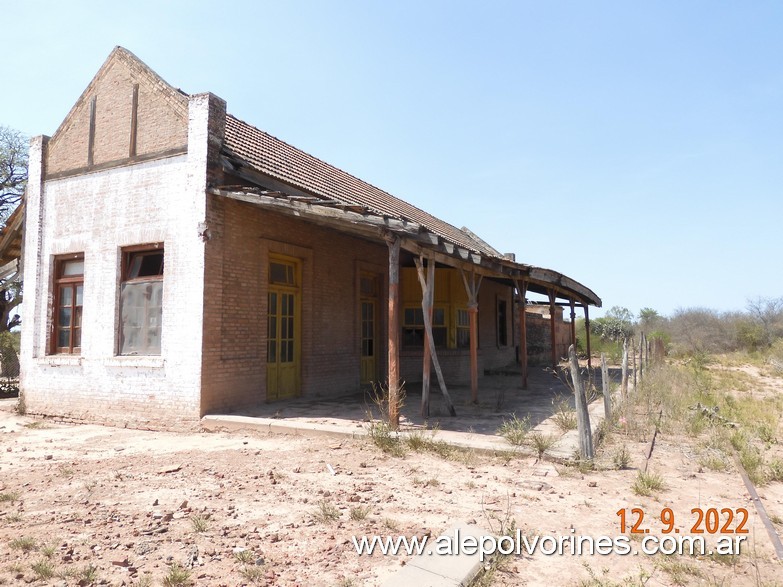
x: 127, y: 504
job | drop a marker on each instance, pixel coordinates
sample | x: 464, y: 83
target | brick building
x: 179, y: 261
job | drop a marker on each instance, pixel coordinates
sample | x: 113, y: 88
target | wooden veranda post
x: 472, y: 288
x: 426, y: 306
x: 394, y: 331
x: 428, y: 332
x: 553, y: 327
x: 582, y: 414
x: 522, y: 293
x: 587, y: 339
x: 573, y: 323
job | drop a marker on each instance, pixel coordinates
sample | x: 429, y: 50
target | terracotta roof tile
x: 278, y: 159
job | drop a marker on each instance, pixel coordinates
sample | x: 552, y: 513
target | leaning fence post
x: 605, y: 385
x: 582, y: 415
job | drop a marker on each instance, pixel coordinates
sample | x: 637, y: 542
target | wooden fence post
x: 605, y: 382
x: 582, y: 414
x: 624, y: 381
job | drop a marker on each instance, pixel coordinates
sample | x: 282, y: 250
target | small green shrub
x: 44, y: 569
x: 515, y: 429
x: 647, y: 483
x: 359, y: 512
x: 621, y: 458
x: 200, y: 523
x: 564, y: 416
x: 327, y: 512
x: 177, y: 577
x: 23, y: 543
x: 541, y: 442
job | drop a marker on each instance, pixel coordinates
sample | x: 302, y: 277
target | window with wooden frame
x: 141, y: 300
x: 463, y: 328
x: 68, y: 299
x: 413, y: 327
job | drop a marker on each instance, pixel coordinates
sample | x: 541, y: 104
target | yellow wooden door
x: 283, y: 362
x: 369, y: 284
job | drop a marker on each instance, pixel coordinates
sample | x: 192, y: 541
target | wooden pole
x: 426, y: 306
x: 605, y: 387
x: 582, y: 414
x: 633, y: 352
x: 428, y: 331
x: 552, y: 327
x: 624, y: 381
x: 472, y: 289
x: 642, y: 344
x: 522, y: 293
x: 573, y: 324
x: 394, y: 331
x: 587, y: 337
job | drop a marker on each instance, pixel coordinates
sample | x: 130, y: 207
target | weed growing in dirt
x: 253, y: 574
x: 48, y: 550
x: 244, y: 556
x: 88, y: 575
x: 420, y: 441
x: 714, y: 461
x: 43, y: 569
x: 564, y: 417
x: 680, y: 572
x: 384, y: 438
x: 9, y: 496
x: 360, y: 512
x: 36, y: 425
x: 23, y: 543
x: 327, y: 512
x: 541, y: 442
x: 143, y: 581
x: 621, y: 458
x: 200, y: 523
x: 12, y: 518
x: 177, y: 577
x: 775, y: 470
x: 515, y: 430
x: 647, y: 483
x: 431, y: 482
x: 390, y: 524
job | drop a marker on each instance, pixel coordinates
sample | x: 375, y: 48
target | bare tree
x: 13, y: 169
x: 767, y: 313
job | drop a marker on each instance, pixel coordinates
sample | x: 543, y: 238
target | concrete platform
x: 475, y: 426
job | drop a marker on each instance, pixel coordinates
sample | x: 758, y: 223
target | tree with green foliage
x: 616, y: 326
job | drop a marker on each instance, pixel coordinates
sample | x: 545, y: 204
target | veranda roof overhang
x: 414, y: 238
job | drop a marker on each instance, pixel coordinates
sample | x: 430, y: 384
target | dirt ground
x: 95, y: 505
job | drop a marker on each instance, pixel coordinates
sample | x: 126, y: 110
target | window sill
x: 135, y: 361
x: 60, y: 360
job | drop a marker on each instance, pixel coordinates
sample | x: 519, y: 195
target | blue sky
x: 636, y: 147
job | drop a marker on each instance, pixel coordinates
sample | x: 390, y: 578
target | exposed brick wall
x: 161, y: 119
x: 235, y: 326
